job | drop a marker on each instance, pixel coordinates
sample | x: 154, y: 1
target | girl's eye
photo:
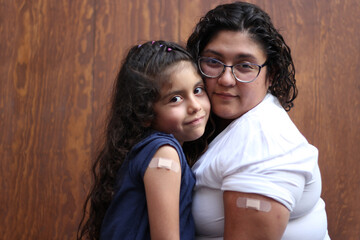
x: 175, y: 99
x: 198, y: 90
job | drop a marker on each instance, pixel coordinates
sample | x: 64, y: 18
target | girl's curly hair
x: 247, y: 17
x: 136, y: 88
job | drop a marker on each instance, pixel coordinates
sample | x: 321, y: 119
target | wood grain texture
x: 323, y: 36
x: 58, y: 60
x: 339, y: 114
x: 324, y: 41
x: 47, y: 105
x: 119, y: 25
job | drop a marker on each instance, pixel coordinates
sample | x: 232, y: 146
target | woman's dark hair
x: 247, y: 17
x: 137, y: 87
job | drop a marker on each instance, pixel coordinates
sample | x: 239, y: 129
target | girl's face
x: 184, y: 107
x: 230, y: 98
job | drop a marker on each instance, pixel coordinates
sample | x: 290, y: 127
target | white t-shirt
x: 261, y: 152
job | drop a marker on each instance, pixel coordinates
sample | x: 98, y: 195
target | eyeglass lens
x: 243, y: 71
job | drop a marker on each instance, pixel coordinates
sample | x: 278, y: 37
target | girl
x: 142, y: 182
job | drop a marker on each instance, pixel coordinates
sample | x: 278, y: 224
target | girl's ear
x: 146, y: 124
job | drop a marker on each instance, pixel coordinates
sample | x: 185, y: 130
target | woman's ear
x: 269, y: 81
x: 269, y: 78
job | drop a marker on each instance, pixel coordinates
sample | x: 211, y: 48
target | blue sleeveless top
x: 127, y: 216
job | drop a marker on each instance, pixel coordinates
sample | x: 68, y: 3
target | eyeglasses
x: 243, y: 72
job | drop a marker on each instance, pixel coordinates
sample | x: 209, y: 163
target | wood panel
x: 119, y: 25
x: 322, y: 36
x: 190, y: 14
x: 339, y: 114
x: 46, y: 108
x: 58, y: 60
x: 325, y: 43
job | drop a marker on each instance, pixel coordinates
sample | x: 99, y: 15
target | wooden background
x: 57, y: 63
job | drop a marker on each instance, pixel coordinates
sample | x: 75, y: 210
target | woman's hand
x: 251, y: 224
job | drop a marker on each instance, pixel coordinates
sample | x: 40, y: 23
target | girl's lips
x: 195, y: 121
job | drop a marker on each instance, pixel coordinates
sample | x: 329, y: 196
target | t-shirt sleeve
x: 271, y: 163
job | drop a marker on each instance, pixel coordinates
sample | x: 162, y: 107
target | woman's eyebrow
x: 239, y: 56
x: 246, y: 56
x: 212, y: 52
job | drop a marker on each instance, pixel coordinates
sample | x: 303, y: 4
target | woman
x: 259, y: 178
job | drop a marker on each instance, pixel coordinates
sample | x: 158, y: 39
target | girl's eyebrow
x: 239, y: 56
x: 179, y: 92
x: 175, y: 92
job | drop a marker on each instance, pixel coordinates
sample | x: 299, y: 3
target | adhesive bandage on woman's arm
x: 165, y: 163
x: 259, y: 205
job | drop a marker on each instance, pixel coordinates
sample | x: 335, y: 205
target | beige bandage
x: 164, y: 163
x: 259, y: 205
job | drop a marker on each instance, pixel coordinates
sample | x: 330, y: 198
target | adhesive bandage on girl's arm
x: 257, y: 204
x: 165, y: 163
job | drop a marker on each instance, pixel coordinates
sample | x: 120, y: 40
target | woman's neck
x: 220, y: 125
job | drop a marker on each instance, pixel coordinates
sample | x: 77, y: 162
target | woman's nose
x: 227, y: 79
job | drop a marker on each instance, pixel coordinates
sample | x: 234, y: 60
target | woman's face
x: 230, y: 98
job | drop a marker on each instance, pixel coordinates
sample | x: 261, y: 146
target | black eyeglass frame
x: 231, y: 67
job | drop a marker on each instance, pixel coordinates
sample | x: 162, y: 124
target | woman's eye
x: 246, y: 65
x: 175, y: 99
x: 212, y: 62
x: 198, y: 90
x: 245, y: 68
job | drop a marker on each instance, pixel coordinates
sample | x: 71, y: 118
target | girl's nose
x: 194, y: 105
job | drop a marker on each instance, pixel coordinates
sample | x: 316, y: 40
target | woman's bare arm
x: 247, y: 223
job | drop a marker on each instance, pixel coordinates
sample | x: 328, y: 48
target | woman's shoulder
x: 267, y: 120
x: 265, y: 130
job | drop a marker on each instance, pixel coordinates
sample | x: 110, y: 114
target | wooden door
x: 57, y: 63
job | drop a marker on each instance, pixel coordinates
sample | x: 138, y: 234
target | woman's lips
x: 224, y: 95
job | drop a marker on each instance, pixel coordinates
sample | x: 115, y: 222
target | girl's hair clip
x: 152, y: 42
x: 160, y: 45
x: 169, y: 49
x: 139, y: 45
